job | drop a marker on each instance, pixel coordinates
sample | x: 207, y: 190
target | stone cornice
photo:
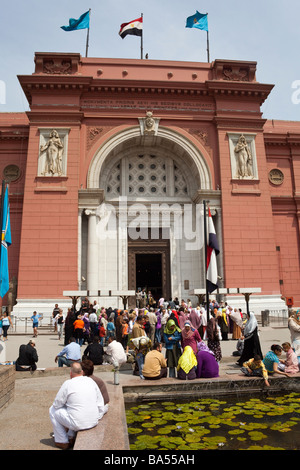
x: 282, y: 139
x: 12, y: 133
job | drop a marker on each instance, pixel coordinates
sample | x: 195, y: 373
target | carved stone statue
x: 54, y: 153
x: 149, y: 123
x: 244, y: 159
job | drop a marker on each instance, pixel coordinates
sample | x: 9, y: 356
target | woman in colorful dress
x: 207, y: 365
x: 190, y: 336
x: 187, y: 364
x: 213, y: 339
x: 172, y: 337
x: 251, y: 340
x: 294, y: 327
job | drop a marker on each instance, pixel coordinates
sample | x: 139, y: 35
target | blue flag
x: 5, y: 242
x: 82, y: 23
x: 198, y: 20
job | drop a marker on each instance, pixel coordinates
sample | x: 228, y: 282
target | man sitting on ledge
x: 115, y: 353
x: 155, y: 365
x: 27, y: 357
x: 78, y: 405
x: 69, y: 354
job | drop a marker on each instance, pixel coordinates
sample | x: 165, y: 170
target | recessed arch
x: 167, y: 141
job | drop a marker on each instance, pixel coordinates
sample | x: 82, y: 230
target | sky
x: 264, y: 31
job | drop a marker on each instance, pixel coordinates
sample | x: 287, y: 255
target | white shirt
x: 93, y: 318
x: 116, y: 351
x: 83, y: 400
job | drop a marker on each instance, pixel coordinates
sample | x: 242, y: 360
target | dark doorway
x: 149, y: 273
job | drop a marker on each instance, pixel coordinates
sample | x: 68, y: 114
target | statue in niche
x: 54, y: 153
x: 244, y: 159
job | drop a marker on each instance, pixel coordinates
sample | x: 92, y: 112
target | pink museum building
x: 109, y: 169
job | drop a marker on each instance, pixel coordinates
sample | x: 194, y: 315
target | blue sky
x: 265, y: 31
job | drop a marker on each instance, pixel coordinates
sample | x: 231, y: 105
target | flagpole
x: 142, y: 47
x: 88, y: 35
x: 205, y: 255
x: 207, y: 41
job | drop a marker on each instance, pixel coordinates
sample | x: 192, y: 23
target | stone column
x: 79, y: 247
x: 92, y: 251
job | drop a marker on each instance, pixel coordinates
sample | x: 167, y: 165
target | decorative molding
x: 149, y: 124
x: 276, y: 176
x: 11, y: 173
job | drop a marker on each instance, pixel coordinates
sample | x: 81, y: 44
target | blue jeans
x: 158, y: 335
x: 62, y: 360
x: 140, y: 358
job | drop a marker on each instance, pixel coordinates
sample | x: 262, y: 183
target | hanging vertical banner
x: 212, y: 252
x: 5, y: 243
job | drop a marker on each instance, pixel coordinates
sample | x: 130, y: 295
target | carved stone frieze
x: 149, y: 124
x: 58, y: 66
x: 236, y: 74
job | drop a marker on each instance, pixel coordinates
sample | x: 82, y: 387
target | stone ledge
x: 55, y: 371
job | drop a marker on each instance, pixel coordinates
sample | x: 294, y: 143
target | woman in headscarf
x: 69, y: 325
x: 172, y: 337
x: 294, y: 327
x: 195, y: 319
x: 190, y: 336
x: 174, y: 316
x: 251, y: 340
x: 224, y: 324
x: 186, y: 368
x: 237, y: 322
x: 182, y: 317
x: 213, y: 340
x: 207, y: 366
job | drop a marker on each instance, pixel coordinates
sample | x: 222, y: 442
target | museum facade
x: 109, y: 169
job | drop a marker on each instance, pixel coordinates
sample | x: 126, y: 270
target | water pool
x: 209, y: 423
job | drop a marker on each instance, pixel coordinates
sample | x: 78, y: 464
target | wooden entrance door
x: 160, y: 250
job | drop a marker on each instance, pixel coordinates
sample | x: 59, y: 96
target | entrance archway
x: 163, y: 169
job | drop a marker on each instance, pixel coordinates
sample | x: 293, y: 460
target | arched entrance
x: 149, y: 184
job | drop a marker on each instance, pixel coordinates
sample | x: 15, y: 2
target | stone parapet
x: 7, y: 386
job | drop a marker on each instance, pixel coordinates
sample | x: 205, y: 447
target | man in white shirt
x: 78, y: 405
x: 93, y: 323
x: 115, y: 353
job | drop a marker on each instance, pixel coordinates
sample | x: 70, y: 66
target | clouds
x: 261, y: 31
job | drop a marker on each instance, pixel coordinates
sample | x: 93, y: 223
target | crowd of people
x: 191, y: 339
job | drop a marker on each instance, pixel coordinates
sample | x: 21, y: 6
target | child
x: 110, y: 329
x: 290, y: 365
x: 125, y: 334
x: 256, y: 367
x: 102, y: 334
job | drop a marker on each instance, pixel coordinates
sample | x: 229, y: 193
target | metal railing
x: 24, y: 324
x: 274, y: 318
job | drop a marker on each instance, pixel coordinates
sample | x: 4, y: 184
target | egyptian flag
x: 134, y: 27
x: 212, y: 252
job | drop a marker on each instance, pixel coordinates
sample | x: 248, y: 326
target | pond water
x: 208, y: 423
